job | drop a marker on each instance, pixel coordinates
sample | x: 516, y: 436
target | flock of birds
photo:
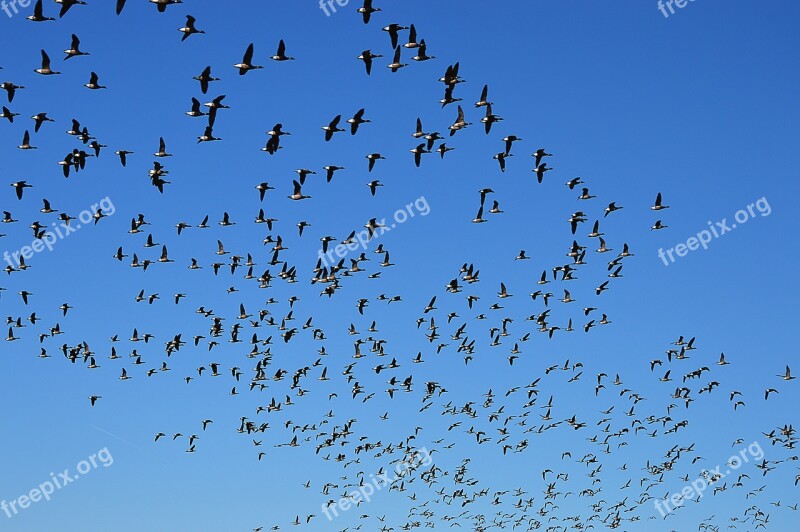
x: 572, y: 494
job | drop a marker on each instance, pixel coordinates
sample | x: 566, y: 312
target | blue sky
x: 700, y: 106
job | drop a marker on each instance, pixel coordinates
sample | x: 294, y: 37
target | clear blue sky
x: 701, y: 106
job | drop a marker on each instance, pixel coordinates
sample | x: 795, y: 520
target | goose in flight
x: 45, y: 69
x: 162, y: 4
x: 657, y: 206
x: 538, y: 154
x: 26, y: 142
x: 612, y: 207
x: 11, y: 89
x: 20, y: 186
x: 8, y: 115
x: 372, y: 157
x: 330, y: 170
x: 332, y: 127
x: 247, y: 62
x: 190, y: 28
x: 298, y: 193
x: 393, y: 30
x: 38, y: 16
x: 123, y: 156
x: 367, y: 56
x: 540, y: 171
x: 418, y: 151
x: 205, y: 78
x: 460, y: 122
x: 373, y: 186
x: 208, y: 135
x: 262, y: 189
x: 94, y: 82
x: 501, y: 159
x: 74, y: 48
x: 479, y: 217
x: 195, y: 111
x: 40, y: 119
x: 483, y: 102
x: 412, y: 38
x: 396, y: 65
x: 367, y: 10
x: 489, y: 119
x: 422, y: 53
x: 280, y: 55
x: 356, y: 121
x: 66, y: 5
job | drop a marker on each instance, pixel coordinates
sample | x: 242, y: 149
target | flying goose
x: 483, y: 102
x: 366, y: 10
x: 332, y: 127
x: 356, y: 121
x: 298, y: 193
x: 37, y: 13
x: 396, y: 65
x: 66, y: 5
x: 45, y: 70
x: 205, y: 78
x: 162, y: 4
x: 247, y: 62
x: 393, y: 30
x: 280, y: 55
x: 93, y: 82
x: 657, y: 206
x: 74, y: 49
x: 190, y: 28
x: 8, y: 115
x: 367, y: 56
x: 460, y: 122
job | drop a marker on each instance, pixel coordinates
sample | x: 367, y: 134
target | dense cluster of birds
x: 572, y: 494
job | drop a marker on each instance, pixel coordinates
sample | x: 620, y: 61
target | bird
x: 367, y: 10
x: 247, y: 62
x: 356, y: 121
x: 205, y: 78
x: 657, y: 206
x: 162, y: 5
x: 280, y: 55
x: 189, y: 29
x: 38, y: 15
x: 45, y: 69
x: 93, y: 82
x: 74, y: 48
x: 367, y: 57
x: 612, y: 207
x: 393, y: 31
x: 332, y: 128
x: 20, y: 186
x: 396, y: 64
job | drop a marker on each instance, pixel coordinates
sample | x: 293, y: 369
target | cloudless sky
x: 701, y: 106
